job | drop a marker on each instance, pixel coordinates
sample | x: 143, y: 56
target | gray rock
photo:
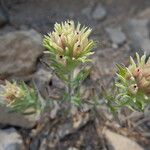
x: 72, y: 148
x: 42, y: 78
x: 78, y: 120
x: 138, y: 33
x: 57, y: 83
x: 54, y: 110
x: 19, y: 52
x: 133, y: 26
x: 10, y: 140
x: 66, y: 129
x: 16, y: 119
x: 145, y: 14
x: 43, y: 144
x: 145, y: 46
x: 119, y: 142
x: 99, y: 13
x: 116, y: 36
x: 88, y: 10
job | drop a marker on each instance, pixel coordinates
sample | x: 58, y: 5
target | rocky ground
x: 121, y: 28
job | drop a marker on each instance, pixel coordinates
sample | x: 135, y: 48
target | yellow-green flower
x: 69, y: 40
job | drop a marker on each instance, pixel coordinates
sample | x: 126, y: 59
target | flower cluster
x: 68, y: 41
x: 18, y: 97
x: 140, y: 73
x: 132, y: 85
x: 11, y: 93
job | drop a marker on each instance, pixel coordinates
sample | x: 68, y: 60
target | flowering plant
x: 132, y: 88
x: 19, y: 97
x: 69, y: 47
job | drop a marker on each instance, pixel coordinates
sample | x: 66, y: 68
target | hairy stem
x: 70, y: 87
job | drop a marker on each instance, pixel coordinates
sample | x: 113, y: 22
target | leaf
x: 132, y: 62
x: 119, y: 85
x: 72, y: 64
x: 81, y: 76
x: 121, y: 70
x: 143, y: 58
x: 138, y: 59
x: 121, y: 78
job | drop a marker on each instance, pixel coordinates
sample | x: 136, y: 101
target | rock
x: 78, y: 120
x: 145, y: 14
x: 72, y: 148
x: 42, y: 79
x: 54, y: 110
x: 86, y: 107
x: 119, y: 142
x: 3, y: 18
x: 88, y: 10
x: 34, y: 145
x: 16, y: 119
x: 57, y: 83
x: 19, y: 52
x: 138, y: 33
x: 145, y: 46
x: 43, y: 144
x: 116, y: 36
x: 99, y: 13
x: 10, y: 140
x: 133, y: 26
x: 66, y: 129
x: 6, y: 29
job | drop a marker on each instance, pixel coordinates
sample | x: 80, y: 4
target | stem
x: 70, y: 88
x: 71, y: 93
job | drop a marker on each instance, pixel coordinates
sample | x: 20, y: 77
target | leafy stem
x: 70, y: 85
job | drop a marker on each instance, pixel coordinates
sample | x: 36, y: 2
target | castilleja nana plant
x: 69, y: 47
x: 19, y: 98
x: 132, y: 88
